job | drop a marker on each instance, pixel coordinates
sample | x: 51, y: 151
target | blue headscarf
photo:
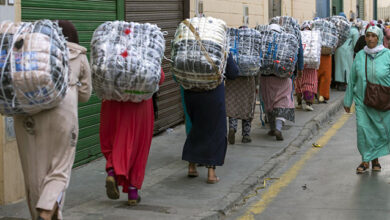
x: 342, y: 14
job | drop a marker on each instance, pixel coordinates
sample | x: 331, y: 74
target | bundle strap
x: 197, y: 37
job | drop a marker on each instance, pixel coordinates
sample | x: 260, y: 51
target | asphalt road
x: 321, y: 183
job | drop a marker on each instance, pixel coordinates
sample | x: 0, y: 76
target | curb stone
x: 310, y: 129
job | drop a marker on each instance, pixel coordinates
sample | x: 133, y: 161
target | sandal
x: 192, y: 173
x: 375, y: 166
x: 213, y: 181
x: 362, y: 168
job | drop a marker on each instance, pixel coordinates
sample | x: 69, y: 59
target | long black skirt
x: 206, y: 143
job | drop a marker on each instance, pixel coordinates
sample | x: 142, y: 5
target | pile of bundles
x: 343, y: 27
x: 278, y: 52
x: 289, y: 24
x: 33, y: 67
x: 311, y: 42
x: 126, y: 60
x: 328, y: 35
x: 199, y: 53
x: 245, y: 47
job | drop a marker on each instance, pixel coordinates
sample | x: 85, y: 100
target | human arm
x: 232, y: 70
x: 349, y: 93
x: 85, y: 84
x: 162, y: 77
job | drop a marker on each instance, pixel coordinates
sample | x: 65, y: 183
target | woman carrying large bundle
x: 241, y: 92
x: 199, y: 53
x: 126, y: 79
x: 275, y: 86
x: 371, y: 65
x: 47, y: 140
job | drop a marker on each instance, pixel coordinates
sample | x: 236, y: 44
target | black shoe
x: 278, y: 135
x: 231, y: 136
x: 246, y: 139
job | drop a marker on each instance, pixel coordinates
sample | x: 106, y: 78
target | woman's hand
x: 347, y: 109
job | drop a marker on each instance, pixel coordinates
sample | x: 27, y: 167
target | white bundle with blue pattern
x: 328, y: 35
x: 193, y: 67
x: 311, y: 42
x: 33, y: 67
x: 126, y: 60
x: 279, y: 52
x: 343, y: 27
x: 245, y: 45
x: 289, y: 24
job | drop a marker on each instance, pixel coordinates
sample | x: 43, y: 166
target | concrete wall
x: 299, y: 9
x: 11, y: 176
x: 231, y: 11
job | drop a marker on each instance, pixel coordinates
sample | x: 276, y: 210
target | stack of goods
x: 199, y: 53
x: 126, y: 60
x: 33, y: 67
x: 311, y: 42
x: 307, y: 24
x: 245, y: 46
x: 343, y: 27
x: 278, y: 52
x: 328, y: 35
x: 289, y: 24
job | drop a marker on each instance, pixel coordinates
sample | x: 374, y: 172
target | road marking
x: 292, y: 173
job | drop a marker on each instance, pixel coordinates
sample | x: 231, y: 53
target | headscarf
x: 69, y: 31
x: 379, y: 33
x: 306, y: 24
x: 275, y: 27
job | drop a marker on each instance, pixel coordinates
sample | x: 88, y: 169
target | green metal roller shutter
x: 86, y: 15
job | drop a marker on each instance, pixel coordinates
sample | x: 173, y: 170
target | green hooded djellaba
x: 373, y: 126
x: 344, y: 56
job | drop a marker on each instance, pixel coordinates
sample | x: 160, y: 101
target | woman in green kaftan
x: 373, y: 134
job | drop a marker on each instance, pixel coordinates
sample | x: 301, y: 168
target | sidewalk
x: 168, y: 193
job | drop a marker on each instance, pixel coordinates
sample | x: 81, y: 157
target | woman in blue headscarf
x: 373, y: 134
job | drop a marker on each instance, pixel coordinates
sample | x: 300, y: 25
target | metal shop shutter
x: 167, y: 15
x: 86, y: 15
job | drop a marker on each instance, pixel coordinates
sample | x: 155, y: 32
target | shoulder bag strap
x: 197, y: 37
x: 366, y: 69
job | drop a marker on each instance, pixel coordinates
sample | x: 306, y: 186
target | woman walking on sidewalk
x: 306, y: 83
x: 207, y: 143
x: 277, y: 95
x: 126, y: 131
x: 373, y: 134
x: 47, y: 140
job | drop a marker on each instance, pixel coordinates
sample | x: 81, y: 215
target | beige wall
x: 299, y: 9
x: 11, y: 176
x: 231, y: 11
x: 350, y: 5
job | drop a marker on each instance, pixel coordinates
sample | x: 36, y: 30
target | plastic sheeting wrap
x: 33, y: 67
x: 279, y: 53
x: 126, y: 60
x: 191, y: 66
x: 343, y: 27
x: 328, y: 35
x: 311, y: 42
x: 245, y: 45
x: 289, y: 24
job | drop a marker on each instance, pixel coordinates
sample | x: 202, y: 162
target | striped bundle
x: 126, y: 60
x: 199, y: 53
x: 33, y: 67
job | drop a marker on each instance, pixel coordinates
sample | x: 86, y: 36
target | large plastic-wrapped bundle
x: 33, y: 67
x: 343, y: 27
x: 126, y: 60
x: 290, y: 25
x: 199, y: 52
x: 307, y: 24
x: 328, y: 35
x: 279, y: 53
x: 311, y: 42
x: 245, y: 45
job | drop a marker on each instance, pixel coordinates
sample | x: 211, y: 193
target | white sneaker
x: 321, y: 99
x: 309, y: 108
